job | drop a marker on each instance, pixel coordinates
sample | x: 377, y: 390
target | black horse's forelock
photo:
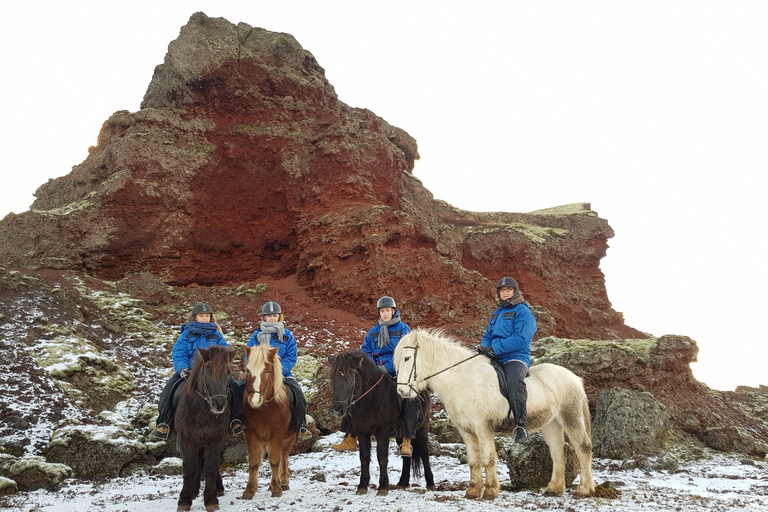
x: 348, y: 361
x: 219, y: 358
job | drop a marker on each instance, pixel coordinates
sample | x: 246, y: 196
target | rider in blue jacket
x: 508, y: 339
x: 273, y: 332
x: 201, y: 331
x: 379, y: 344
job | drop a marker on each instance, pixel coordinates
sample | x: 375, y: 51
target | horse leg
x: 487, y: 453
x: 285, y: 473
x: 211, y: 471
x: 364, y: 446
x: 190, y: 459
x: 405, y: 473
x: 475, y: 489
x: 578, y: 427
x: 382, y: 454
x: 553, y: 435
x: 275, y: 457
x: 255, y: 455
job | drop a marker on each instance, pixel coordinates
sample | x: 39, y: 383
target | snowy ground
x: 720, y: 482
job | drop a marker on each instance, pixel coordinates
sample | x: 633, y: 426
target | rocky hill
x: 243, y: 178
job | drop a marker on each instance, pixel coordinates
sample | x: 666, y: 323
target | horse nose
x: 218, y: 404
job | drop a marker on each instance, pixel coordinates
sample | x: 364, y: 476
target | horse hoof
x: 431, y: 488
x: 277, y: 493
x: 246, y: 496
x: 286, y: 488
x: 490, y: 496
x: 361, y: 490
x: 471, y: 496
x: 219, y: 494
x: 382, y: 492
x: 211, y: 508
x: 552, y: 493
x: 183, y: 508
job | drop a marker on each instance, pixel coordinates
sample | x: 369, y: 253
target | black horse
x: 370, y: 398
x: 202, y: 423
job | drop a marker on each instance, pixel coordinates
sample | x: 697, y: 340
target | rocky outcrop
x: 243, y: 165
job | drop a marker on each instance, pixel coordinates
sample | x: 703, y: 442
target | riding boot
x: 521, y: 434
x: 348, y: 444
x: 236, y: 427
x: 406, y: 450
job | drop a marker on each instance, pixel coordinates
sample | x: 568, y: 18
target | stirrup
x: 521, y: 435
x: 304, y: 434
x: 236, y: 427
x: 161, y: 431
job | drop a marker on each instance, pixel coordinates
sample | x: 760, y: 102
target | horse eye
x: 408, y: 358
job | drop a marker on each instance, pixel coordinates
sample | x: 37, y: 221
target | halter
x: 412, y: 377
x: 274, y: 391
x: 349, y: 402
x: 208, y: 397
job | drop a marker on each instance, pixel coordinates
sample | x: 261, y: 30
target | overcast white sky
x: 655, y: 112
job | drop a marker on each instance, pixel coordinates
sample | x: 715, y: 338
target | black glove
x: 184, y: 373
x: 486, y: 351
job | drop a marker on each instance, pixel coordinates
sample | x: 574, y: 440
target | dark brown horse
x: 370, y: 398
x: 202, y: 423
x: 267, y: 414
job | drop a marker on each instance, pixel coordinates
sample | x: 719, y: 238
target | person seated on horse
x: 272, y: 331
x: 379, y: 345
x: 200, y: 331
x: 508, y: 339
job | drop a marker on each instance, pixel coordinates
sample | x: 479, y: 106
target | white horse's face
x: 408, y: 383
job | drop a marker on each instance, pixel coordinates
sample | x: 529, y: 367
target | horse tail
x: 587, y: 416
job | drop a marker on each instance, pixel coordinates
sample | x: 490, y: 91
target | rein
x: 412, y: 377
x: 351, y: 401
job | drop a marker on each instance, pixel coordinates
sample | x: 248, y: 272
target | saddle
x: 175, y: 391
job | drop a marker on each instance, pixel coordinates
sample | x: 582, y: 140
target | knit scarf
x: 384, y: 332
x: 269, y: 328
x: 204, y: 328
x: 513, y: 301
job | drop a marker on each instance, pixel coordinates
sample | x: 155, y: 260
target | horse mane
x: 351, y: 359
x: 218, y: 355
x: 258, y: 358
x: 432, y: 342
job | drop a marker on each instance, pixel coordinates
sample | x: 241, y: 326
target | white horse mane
x: 258, y: 357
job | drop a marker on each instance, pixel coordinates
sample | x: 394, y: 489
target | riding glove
x: 184, y: 373
x: 486, y: 351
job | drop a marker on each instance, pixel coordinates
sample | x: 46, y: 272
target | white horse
x: 469, y: 389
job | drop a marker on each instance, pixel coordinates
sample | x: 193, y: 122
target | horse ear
x: 247, y: 351
x: 331, y: 358
x: 203, y: 353
x: 272, y: 353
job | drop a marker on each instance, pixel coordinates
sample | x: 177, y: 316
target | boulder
x: 530, y: 464
x: 734, y: 439
x: 97, y: 452
x: 627, y: 423
x: 8, y: 486
x: 32, y: 473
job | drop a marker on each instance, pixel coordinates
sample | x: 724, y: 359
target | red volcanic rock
x: 243, y: 166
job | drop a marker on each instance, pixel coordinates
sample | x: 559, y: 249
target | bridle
x: 349, y: 401
x: 412, y: 376
x: 208, y: 397
x: 264, y: 393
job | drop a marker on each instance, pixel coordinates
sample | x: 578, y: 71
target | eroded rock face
x: 243, y: 165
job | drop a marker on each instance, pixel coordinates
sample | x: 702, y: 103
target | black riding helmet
x: 201, y: 308
x: 508, y: 282
x: 386, y: 302
x: 272, y: 308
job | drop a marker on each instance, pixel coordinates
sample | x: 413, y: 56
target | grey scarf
x: 384, y: 332
x: 269, y: 328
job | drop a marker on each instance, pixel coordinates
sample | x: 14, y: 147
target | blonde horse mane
x: 435, y: 344
x: 258, y: 358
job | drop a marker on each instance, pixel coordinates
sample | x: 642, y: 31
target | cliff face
x: 242, y: 165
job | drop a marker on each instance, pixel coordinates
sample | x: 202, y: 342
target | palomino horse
x: 202, y: 423
x: 267, y: 414
x: 469, y: 389
x: 369, y: 397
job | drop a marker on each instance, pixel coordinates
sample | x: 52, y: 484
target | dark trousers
x: 517, y: 394
x: 299, y: 402
x: 166, y: 408
x: 410, y: 411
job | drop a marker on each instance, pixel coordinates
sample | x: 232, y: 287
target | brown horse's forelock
x: 258, y: 356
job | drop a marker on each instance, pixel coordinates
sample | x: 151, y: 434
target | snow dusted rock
x: 530, y: 466
x: 734, y: 439
x: 32, y: 473
x: 8, y: 486
x: 97, y: 452
x: 627, y: 423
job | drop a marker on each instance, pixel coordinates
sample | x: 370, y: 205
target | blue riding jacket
x: 385, y: 356
x: 194, y: 335
x: 287, y: 349
x: 510, y: 332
